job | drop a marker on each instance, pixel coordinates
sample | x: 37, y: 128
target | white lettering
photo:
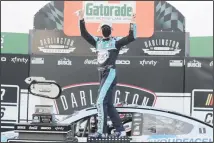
x: 3, y: 59
x: 33, y: 127
x: 46, y: 128
x: 194, y: 63
x: 73, y: 100
x: 152, y: 62
x: 21, y: 127
x: 19, y: 60
x: 64, y: 102
x: 145, y: 101
x: 135, y: 99
x: 82, y: 98
x: 123, y: 62
x: 91, y: 97
x: 64, y: 61
x: 90, y: 62
x: 127, y: 94
x: 117, y: 100
x: 2, y: 93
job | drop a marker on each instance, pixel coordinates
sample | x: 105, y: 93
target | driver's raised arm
x: 128, y: 39
x: 84, y: 33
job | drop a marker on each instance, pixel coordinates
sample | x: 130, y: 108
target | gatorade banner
x: 199, y: 82
x: 14, y: 43
x: 117, y: 12
x: 150, y: 15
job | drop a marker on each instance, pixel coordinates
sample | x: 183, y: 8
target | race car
x: 142, y: 124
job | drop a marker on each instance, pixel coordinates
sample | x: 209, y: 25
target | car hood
x: 8, y: 135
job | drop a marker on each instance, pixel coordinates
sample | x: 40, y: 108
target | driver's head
x: 106, y: 29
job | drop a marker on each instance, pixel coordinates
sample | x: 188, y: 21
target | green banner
x: 201, y: 46
x: 14, y: 43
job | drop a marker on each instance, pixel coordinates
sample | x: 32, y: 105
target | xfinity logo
x: 3, y: 59
x: 122, y: 62
x: 211, y: 63
x: 59, y: 128
x: 64, y: 61
x: 37, y: 60
x: 152, y: 62
x: 194, y: 63
x: 19, y: 60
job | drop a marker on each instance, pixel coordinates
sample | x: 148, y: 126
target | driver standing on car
x: 107, y: 48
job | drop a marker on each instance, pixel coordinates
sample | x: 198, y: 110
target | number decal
x: 2, y: 111
x: 2, y: 93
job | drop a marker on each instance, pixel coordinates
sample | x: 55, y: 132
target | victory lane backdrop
x: 14, y: 70
x: 78, y: 76
x: 56, y: 42
x: 199, y: 82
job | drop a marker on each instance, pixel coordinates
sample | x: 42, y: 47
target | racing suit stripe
x: 134, y: 30
x: 100, y: 106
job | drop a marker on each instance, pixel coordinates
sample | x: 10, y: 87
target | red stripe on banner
x: 211, y: 102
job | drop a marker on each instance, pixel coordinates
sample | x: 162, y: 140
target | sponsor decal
x: 202, y: 107
x: 161, y: 47
x: 175, y: 63
x: 21, y: 127
x: 173, y: 138
x: 194, y: 64
x: 211, y: 63
x: 90, y: 62
x: 56, y: 45
x: 33, y: 127
x: 209, y: 101
x: 104, y: 11
x: 117, y: 12
x: 59, y: 128
x: 64, y: 61
x: 137, y: 126
x: 46, y: 118
x: 122, y: 51
x: 118, y: 62
x: 37, y: 60
x: 19, y: 60
x: 3, y: 59
x: 102, y: 56
x: 123, y: 62
x: 36, y: 119
x: 81, y: 96
x: 2, y: 41
x: 45, y: 128
x: 151, y: 62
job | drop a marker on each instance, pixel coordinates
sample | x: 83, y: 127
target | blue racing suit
x: 107, y: 53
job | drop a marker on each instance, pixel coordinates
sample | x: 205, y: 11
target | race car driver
x: 107, y: 48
